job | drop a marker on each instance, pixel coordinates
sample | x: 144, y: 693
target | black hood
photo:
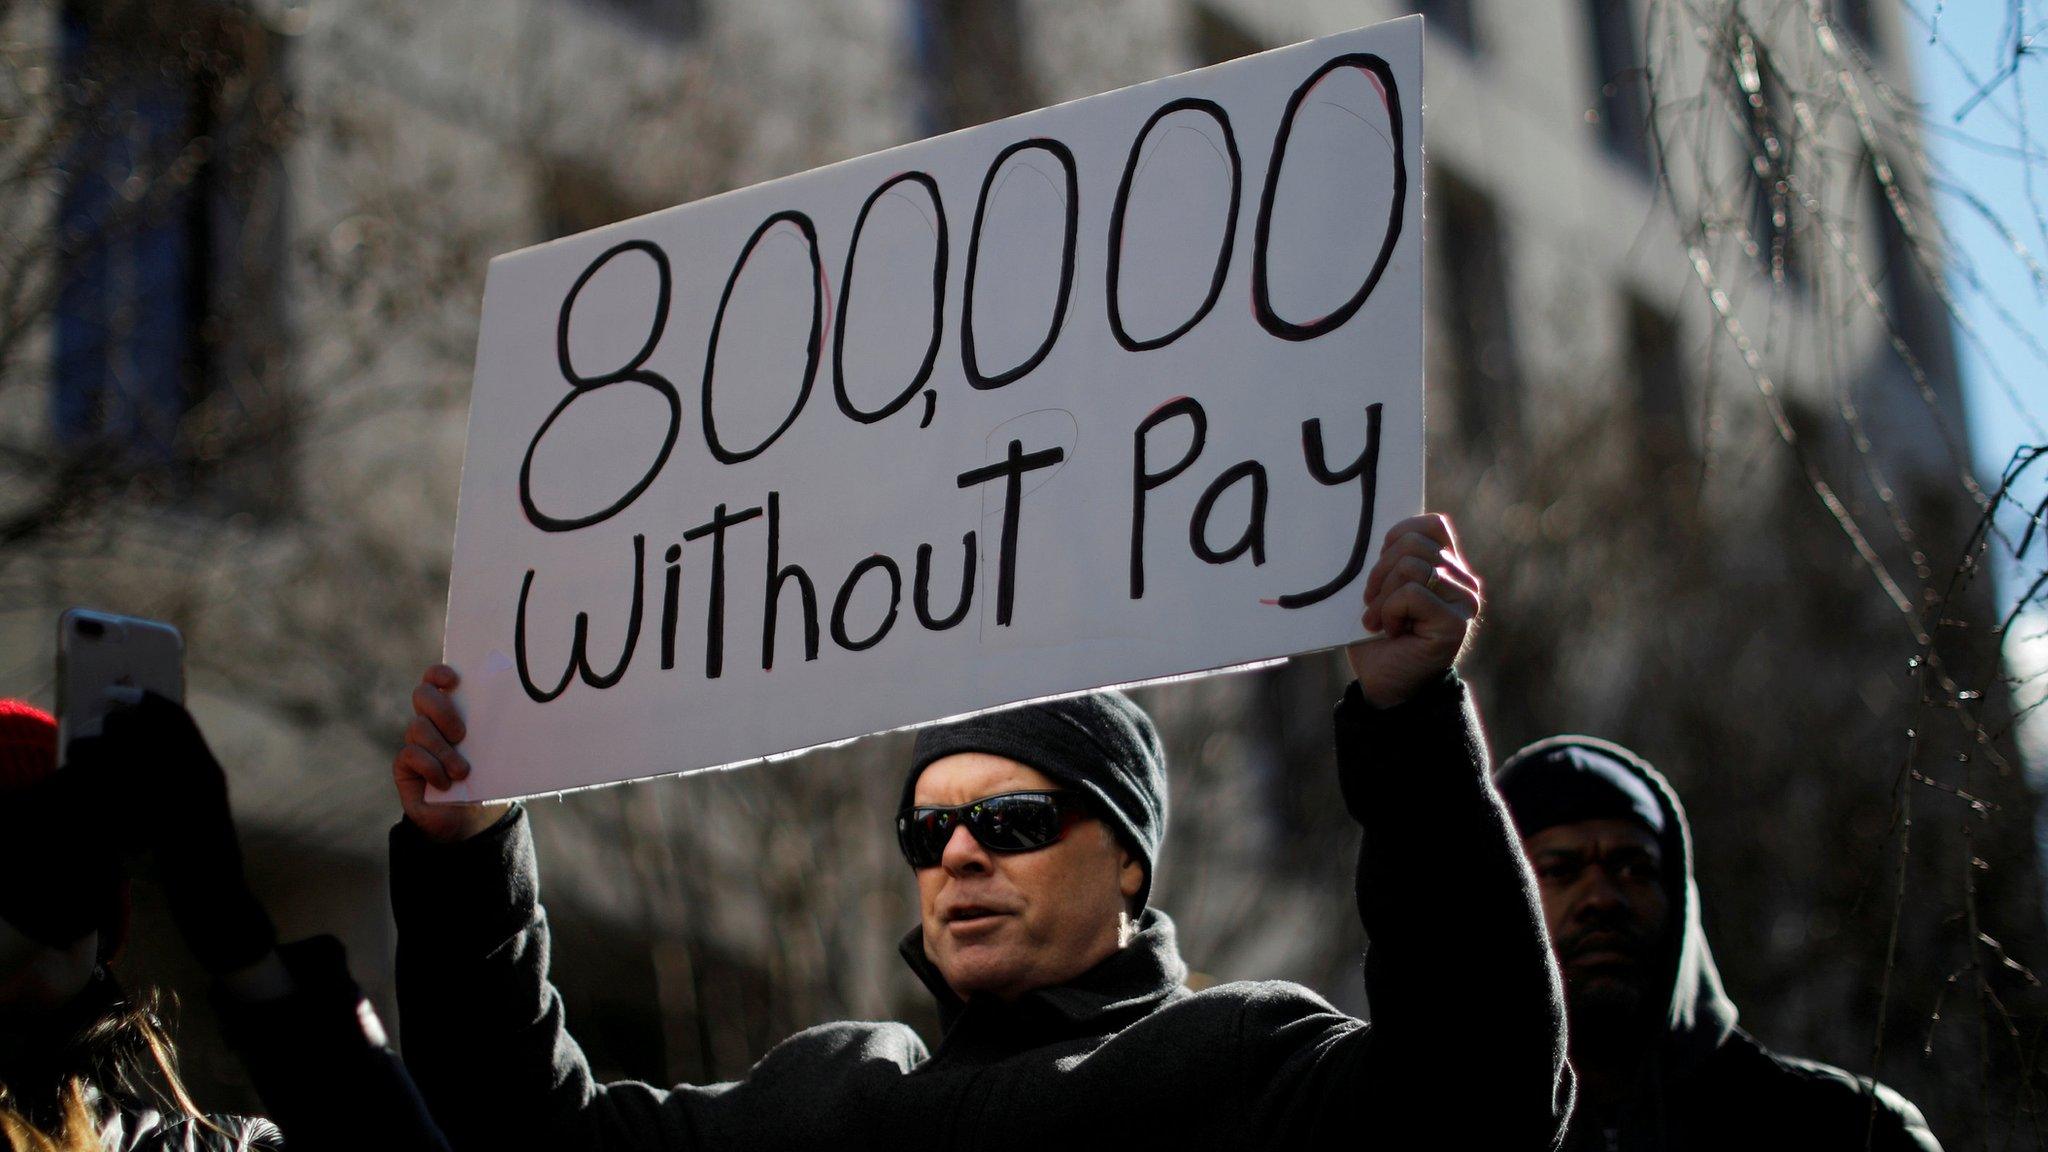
x: 1697, y: 1015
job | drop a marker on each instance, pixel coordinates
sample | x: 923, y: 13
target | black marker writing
x: 1262, y: 301
x: 778, y: 574
x: 1144, y: 480
x: 1116, y: 225
x: 1253, y: 538
x: 1011, y: 471
x: 839, y: 603
x: 968, y: 359
x: 714, y: 619
x: 1366, y: 470
x: 581, y: 385
x: 579, y: 646
x: 931, y: 352
x: 921, y: 595
x: 671, y: 598
x: 812, y: 343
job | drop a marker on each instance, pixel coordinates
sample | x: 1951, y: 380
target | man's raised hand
x: 1422, y: 599
x: 429, y: 757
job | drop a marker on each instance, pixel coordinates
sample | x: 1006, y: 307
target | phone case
x: 101, y: 650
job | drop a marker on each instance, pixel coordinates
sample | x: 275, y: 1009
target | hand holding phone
x: 160, y: 788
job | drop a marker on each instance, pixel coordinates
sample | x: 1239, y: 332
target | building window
x: 170, y: 239
x: 971, y: 56
x: 1471, y: 303
x: 577, y: 197
x: 1765, y: 133
x: 1287, y: 747
x: 1853, y: 17
x: 1657, y: 372
x: 671, y: 20
x: 130, y: 242
x: 1619, y: 103
x: 1450, y: 20
x: 1919, y: 318
x: 1215, y: 38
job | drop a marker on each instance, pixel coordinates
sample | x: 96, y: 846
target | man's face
x: 1005, y: 923
x: 1604, y: 900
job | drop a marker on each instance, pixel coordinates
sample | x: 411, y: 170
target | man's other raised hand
x: 1422, y: 598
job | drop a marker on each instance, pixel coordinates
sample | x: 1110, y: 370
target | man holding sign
x: 1032, y: 834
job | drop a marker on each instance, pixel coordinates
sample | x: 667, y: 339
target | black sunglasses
x: 1010, y: 822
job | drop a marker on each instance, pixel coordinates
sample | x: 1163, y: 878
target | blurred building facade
x: 246, y: 267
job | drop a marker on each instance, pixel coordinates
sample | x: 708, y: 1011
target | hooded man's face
x: 1606, y: 904
x: 1007, y: 923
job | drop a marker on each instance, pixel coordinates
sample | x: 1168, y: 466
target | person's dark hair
x: 120, y: 1056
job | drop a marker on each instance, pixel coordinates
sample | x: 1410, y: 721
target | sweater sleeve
x: 1467, y: 1036
x: 317, y: 1056
x: 484, y: 1030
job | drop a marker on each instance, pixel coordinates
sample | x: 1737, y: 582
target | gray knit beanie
x: 1101, y: 744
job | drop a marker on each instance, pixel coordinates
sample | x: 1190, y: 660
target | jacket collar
x: 1139, y: 978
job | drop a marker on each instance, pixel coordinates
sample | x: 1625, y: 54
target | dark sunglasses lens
x: 1015, y: 823
x: 922, y: 833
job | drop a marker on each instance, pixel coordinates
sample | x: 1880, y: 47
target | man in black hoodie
x: 1661, y: 1064
x: 1066, y: 1020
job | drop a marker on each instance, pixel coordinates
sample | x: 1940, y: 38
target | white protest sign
x: 1109, y: 392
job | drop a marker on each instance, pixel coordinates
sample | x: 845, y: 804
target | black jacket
x: 318, y: 1056
x: 1466, y: 1042
x: 135, y: 1127
x: 1707, y: 1084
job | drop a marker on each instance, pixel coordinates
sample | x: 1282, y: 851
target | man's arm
x: 484, y: 1029
x: 1467, y: 1007
x: 318, y: 1054
x: 488, y: 1043
x: 1467, y: 1035
x: 485, y: 1033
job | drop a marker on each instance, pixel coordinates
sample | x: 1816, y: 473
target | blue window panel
x: 125, y: 315
x: 929, y: 54
x: 1450, y: 20
x: 970, y: 61
x: 1619, y: 82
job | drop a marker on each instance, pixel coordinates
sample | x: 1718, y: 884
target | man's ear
x: 1130, y: 876
x: 1130, y: 871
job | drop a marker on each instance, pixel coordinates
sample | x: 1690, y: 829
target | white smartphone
x: 101, y: 650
